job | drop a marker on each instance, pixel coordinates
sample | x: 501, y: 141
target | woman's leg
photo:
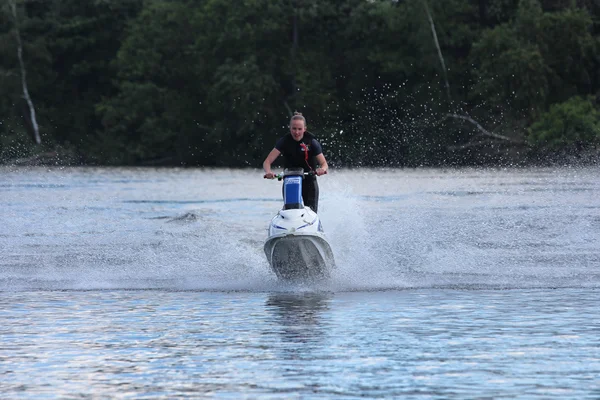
x: 310, y: 193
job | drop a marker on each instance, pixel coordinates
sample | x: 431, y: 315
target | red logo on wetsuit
x: 305, y: 150
x: 304, y: 147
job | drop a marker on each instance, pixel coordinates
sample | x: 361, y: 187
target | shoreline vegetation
x: 382, y: 83
x: 67, y: 159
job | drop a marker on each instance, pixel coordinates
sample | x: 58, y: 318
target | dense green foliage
x: 567, y: 126
x: 381, y: 82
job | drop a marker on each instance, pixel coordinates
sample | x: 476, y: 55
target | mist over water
x: 185, y: 229
x: 469, y: 229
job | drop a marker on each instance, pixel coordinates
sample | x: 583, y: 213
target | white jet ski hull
x: 300, y: 257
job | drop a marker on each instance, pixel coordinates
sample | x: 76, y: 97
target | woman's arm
x: 322, y: 165
x: 268, y: 161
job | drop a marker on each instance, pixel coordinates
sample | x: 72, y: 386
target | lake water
x: 152, y: 283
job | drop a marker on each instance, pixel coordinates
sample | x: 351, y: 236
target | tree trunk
x: 36, y: 131
x: 439, y: 51
x: 294, y: 50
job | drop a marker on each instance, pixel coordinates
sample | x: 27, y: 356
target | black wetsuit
x: 294, y: 154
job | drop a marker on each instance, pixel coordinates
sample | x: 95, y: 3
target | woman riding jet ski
x: 296, y: 247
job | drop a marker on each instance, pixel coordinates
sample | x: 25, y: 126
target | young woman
x: 300, y: 149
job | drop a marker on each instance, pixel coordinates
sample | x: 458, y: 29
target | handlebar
x: 279, y: 176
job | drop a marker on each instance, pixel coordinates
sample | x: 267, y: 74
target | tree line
x: 381, y: 82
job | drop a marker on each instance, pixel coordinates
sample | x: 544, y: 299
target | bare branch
x: 482, y: 129
x: 470, y: 144
x: 6, y: 73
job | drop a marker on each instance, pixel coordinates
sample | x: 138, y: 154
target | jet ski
x: 296, y: 246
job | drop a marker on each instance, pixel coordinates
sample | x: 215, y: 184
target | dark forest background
x: 381, y: 82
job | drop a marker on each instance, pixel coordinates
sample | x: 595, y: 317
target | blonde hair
x: 298, y: 117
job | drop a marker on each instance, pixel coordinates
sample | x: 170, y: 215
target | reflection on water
x: 299, y: 315
x: 393, y: 344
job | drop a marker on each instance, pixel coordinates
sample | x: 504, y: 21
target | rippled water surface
x: 152, y: 283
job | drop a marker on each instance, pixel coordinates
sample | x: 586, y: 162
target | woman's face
x: 297, y: 129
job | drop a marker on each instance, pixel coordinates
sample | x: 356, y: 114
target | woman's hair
x: 298, y: 117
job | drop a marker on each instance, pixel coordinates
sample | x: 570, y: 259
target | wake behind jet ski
x: 296, y: 246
